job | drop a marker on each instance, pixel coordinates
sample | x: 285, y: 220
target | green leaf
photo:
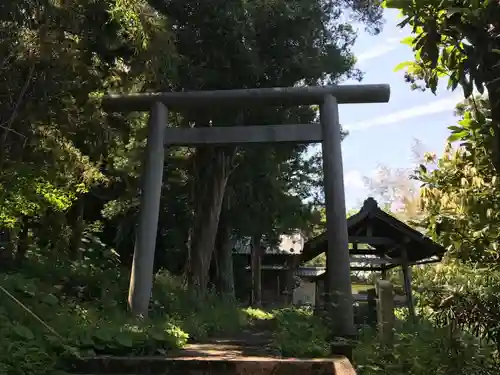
x: 23, y: 332
x: 158, y: 335
x: 103, y: 335
x: 124, y: 339
x: 50, y: 299
x: 453, y: 11
x: 453, y: 82
x: 455, y: 128
x: 403, y: 65
x: 479, y: 117
x: 395, y: 4
x: 432, y: 83
x: 409, y: 40
x: 457, y: 136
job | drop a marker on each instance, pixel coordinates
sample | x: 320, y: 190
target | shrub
x: 422, y: 349
x: 300, y: 334
x: 87, y: 328
x: 21, y: 351
x: 85, y: 304
x: 258, y: 314
x: 463, y: 296
x: 204, y: 316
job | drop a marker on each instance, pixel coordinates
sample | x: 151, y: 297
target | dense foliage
x: 460, y: 189
x: 82, y: 313
x: 456, y: 204
x: 68, y: 168
x: 423, y: 349
x: 300, y: 334
x: 459, y: 40
x: 70, y: 176
x: 420, y: 348
x: 462, y: 298
x: 70, y: 173
x: 459, y: 198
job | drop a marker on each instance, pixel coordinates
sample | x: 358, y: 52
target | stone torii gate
x: 338, y: 285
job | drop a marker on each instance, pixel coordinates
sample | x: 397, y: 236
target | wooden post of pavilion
x: 407, y: 284
x: 383, y: 273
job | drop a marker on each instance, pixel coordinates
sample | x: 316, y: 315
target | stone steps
x: 227, y: 363
x: 249, y: 353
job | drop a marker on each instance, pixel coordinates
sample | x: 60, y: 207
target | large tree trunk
x: 211, y: 182
x: 78, y: 227
x: 256, y: 267
x: 13, y: 240
x: 9, y: 239
x: 23, y: 244
x: 224, y: 258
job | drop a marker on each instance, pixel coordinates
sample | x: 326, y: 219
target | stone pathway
x: 253, y: 341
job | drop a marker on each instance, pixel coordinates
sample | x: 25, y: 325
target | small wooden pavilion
x: 388, y: 243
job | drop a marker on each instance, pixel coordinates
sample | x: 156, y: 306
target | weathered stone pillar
x: 385, y: 310
x: 339, y: 300
x: 141, y: 278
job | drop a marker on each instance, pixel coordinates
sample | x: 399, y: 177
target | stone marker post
x: 385, y: 311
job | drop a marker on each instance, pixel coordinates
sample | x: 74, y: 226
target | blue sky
x: 384, y: 133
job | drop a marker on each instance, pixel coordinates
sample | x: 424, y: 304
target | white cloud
x: 437, y: 106
x: 353, y: 179
x: 396, y: 39
x: 378, y: 50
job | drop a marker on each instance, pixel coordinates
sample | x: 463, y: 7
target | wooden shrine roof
x: 386, y: 235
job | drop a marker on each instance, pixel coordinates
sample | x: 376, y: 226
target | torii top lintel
x: 289, y: 96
